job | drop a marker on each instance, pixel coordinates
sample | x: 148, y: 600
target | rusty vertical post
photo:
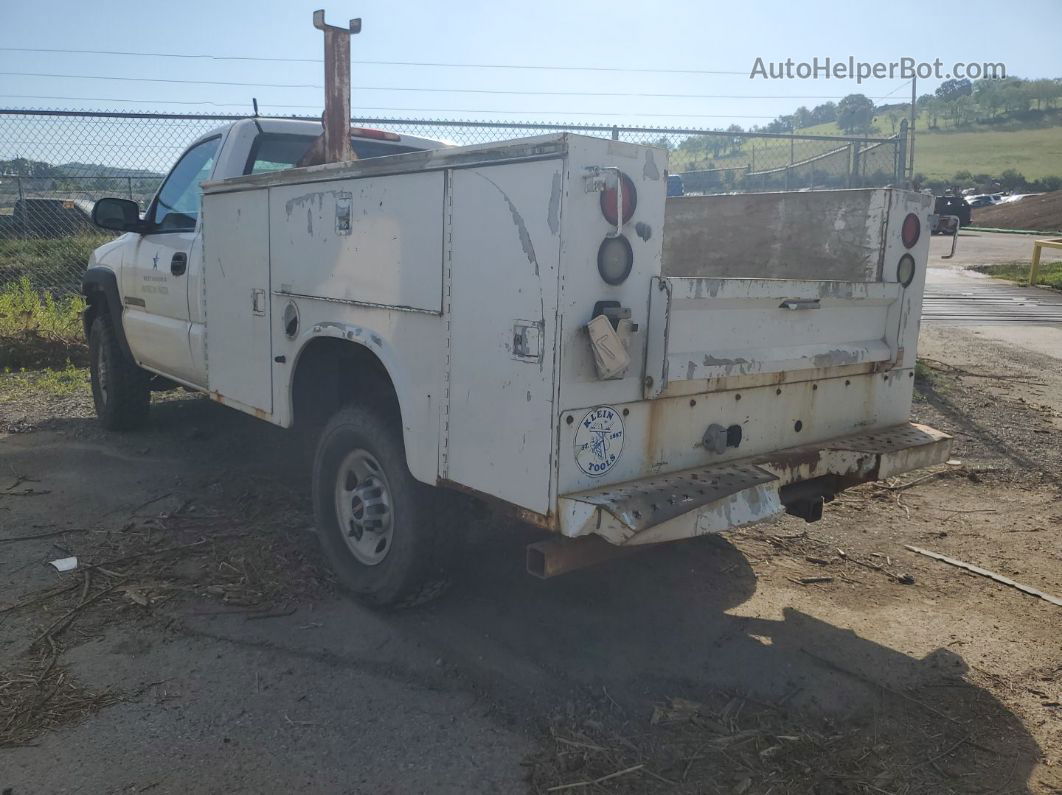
x: 337, y: 88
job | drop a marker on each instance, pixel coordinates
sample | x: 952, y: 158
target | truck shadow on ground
x: 667, y: 623
x: 679, y: 621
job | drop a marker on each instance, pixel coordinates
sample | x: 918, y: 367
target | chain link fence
x: 55, y: 164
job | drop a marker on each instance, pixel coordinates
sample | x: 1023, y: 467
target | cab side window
x: 177, y: 205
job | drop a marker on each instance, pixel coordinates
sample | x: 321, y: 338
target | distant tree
x: 953, y: 89
x: 735, y: 141
x: 1012, y: 180
x: 802, y: 118
x: 1047, y: 184
x: 960, y: 110
x: 989, y: 96
x: 1045, y: 92
x: 855, y: 113
x: 23, y: 167
x: 893, y: 118
x: 929, y: 107
x: 1015, y: 94
x: 937, y: 109
x: 824, y: 113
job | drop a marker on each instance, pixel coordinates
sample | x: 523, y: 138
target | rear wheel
x: 120, y: 389
x: 375, y: 522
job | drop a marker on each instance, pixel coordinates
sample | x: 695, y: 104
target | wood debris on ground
x: 133, y: 569
x: 728, y: 743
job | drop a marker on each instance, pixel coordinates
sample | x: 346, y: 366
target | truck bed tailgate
x: 702, y: 328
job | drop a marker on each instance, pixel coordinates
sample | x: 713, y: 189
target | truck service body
x: 556, y: 336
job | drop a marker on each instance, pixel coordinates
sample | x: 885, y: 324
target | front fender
x: 99, y: 285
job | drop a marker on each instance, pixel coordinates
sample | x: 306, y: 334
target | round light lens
x: 615, y: 259
x: 905, y: 271
x: 630, y: 200
x: 911, y: 230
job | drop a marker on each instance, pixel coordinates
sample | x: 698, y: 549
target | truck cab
x: 158, y: 269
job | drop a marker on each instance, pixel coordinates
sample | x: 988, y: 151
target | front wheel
x: 120, y: 389
x: 375, y: 522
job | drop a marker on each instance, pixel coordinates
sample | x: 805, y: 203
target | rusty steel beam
x: 336, y: 117
x: 558, y: 555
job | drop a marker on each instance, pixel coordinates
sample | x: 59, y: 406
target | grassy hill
x: 1035, y: 151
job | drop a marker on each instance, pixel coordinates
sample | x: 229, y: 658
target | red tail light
x: 911, y: 230
x: 380, y: 135
x: 630, y: 201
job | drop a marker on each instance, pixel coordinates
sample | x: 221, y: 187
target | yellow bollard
x: 1038, y: 246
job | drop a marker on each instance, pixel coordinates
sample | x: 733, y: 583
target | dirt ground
x: 1042, y: 213
x: 201, y: 646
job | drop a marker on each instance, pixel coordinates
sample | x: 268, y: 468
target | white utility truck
x: 528, y: 325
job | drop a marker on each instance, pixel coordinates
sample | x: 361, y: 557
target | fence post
x: 853, y: 162
x: 129, y: 187
x: 22, y: 203
x: 615, y: 133
x: 900, y: 149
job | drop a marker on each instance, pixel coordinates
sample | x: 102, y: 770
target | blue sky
x: 703, y: 36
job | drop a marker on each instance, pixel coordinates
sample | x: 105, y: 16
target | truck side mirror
x: 121, y: 215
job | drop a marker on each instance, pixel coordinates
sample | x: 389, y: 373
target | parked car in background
x: 945, y: 208
x: 47, y: 217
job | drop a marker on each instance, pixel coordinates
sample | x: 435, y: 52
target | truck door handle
x: 179, y: 263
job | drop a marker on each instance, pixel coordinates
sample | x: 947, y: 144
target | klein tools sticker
x: 599, y: 440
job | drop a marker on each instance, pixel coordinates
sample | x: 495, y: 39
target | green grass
x: 923, y: 372
x: 49, y: 263
x: 37, y: 330
x: 22, y: 309
x: 1035, y: 153
x: 54, y: 382
x: 1049, y: 275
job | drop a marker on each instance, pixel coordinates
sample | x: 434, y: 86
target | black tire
x: 120, y: 388
x: 408, y: 571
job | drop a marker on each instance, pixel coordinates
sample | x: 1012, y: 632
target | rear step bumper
x: 716, y: 498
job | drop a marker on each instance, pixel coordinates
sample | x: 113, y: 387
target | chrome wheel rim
x: 364, y: 507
